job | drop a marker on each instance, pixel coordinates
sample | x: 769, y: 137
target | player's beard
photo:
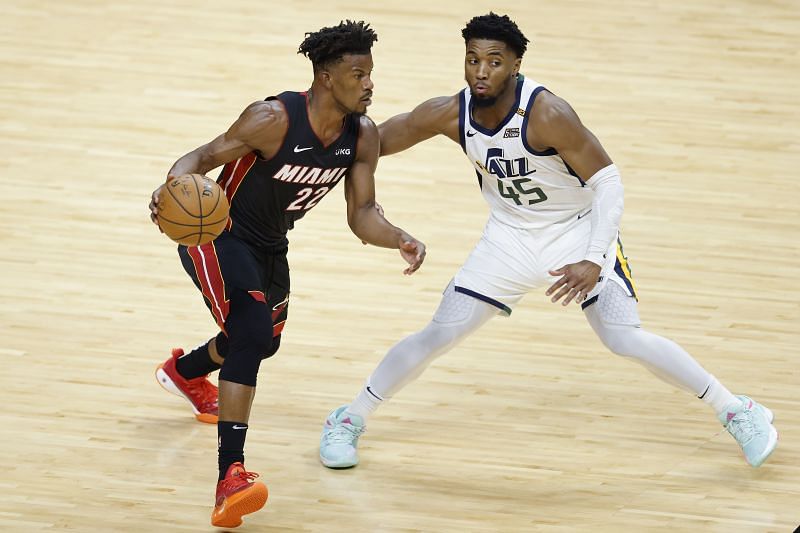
x: 489, y: 101
x: 485, y: 101
x: 357, y: 111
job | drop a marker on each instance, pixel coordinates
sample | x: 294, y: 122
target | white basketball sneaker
x: 339, y: 440
x: 751, y: 425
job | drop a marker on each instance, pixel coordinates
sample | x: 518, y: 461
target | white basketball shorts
x: 508, y: 262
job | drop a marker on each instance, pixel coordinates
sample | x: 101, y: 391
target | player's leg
x: 253, y: 329
x: 615, y: 319
x: 186, y: 375
x: 229, y: 275
x: 278, y: 289
x: 456, y: 318
x: 276, y: 274
x: 498, y: 272
x: 209, y: 356
x: 247, y: 341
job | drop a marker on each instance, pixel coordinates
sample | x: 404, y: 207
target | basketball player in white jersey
x: 555, y: 201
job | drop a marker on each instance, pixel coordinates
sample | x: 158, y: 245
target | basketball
x: 192, y: 209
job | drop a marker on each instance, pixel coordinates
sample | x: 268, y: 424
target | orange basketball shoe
x: 237, y: 495
x: 200, y: 392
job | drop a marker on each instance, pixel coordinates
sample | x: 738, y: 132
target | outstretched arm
x: 366, y: 222
x: 432, y: 117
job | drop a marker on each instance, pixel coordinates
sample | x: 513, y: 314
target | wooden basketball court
x: 530, y: 425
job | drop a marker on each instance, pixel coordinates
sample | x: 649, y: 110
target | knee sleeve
x: 615, y: 307
x: 615, y: 319
x: 457, y: 316
x: 222, y: 344
x: 276, y: 343
x: 457, y: 308
x: 249, y: 327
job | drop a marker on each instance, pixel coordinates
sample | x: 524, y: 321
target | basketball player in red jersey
x: 281, y: 157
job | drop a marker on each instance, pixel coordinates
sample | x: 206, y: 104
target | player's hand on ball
x: 154, y: 206
x: 190, y: 209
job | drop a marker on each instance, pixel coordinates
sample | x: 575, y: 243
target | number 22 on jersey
x: 307, y: 198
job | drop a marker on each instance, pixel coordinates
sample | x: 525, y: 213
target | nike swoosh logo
x: 297, y: 149
x: 583, y: 215
x: 239, y: 427
x: 471, y: 133
x: 373, y: 394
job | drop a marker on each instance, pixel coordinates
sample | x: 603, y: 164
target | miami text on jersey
x: 311, y: 175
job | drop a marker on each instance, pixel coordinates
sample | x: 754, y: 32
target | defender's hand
x: 413, y: 251
x: 577, y: 281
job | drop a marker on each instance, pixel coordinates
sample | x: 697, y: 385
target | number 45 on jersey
x: 516, y: 188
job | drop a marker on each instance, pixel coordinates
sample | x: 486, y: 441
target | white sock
x: 366, y: 403
x: 718, y: 397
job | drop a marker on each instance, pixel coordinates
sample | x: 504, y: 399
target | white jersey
x: 524, y: 188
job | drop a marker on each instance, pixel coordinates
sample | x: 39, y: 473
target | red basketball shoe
x: 237, y: 495
x: 200, y: 392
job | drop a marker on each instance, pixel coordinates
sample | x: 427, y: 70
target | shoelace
x: 204, y: 390
x: 239, y: 478
x: 742, y: 428
x: 344, y: 434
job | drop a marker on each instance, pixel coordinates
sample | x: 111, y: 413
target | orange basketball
x: 192, y: 209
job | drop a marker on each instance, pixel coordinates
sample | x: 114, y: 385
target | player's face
x: 489, y: 68
x: 351, y: 82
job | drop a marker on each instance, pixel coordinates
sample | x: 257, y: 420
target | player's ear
x: 325, y: 78
x: 517, y: 65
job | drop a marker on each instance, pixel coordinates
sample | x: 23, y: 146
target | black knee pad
x: 249, y: 328
x: 222, y: 344
x: 276, y: 343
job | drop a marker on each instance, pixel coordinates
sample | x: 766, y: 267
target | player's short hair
x: 497, y: 28
x: 328, y: 45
